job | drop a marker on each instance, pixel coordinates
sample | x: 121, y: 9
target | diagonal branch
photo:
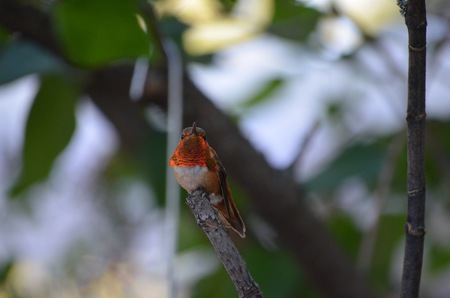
x: 208, y: 220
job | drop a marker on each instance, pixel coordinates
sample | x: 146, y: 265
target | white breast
x: 189, y: 177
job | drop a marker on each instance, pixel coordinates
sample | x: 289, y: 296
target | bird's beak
x: 194, y: 128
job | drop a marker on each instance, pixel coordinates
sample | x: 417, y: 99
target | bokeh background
x: 318, y: 87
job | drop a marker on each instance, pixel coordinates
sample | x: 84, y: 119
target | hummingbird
x: 196, y: 164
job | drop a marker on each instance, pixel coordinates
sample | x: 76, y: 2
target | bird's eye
x: 182, y: 136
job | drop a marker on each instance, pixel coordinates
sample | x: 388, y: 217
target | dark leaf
x: 171, y: 27
x: 95, y: 32
x: 346, y: 233
x: 437, y: 162
x: 217, y: 285
x: 5, y: 36
x: 21, y: 58
x: 362, y: 161
x: 390, y: 232
x: 5, y: 269
x: 50, y: 125
x: 154, y: 162
x: 266, y: 92
x: 228, y: 5
x: 439, y: 259
x: 293, y: 20
x: 285, y: 279
x: 190, y: 234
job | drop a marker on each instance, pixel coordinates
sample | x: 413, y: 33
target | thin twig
x: 416, y: 22
x: 208, y: 220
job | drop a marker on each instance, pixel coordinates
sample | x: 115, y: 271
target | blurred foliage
x: 5, y: 270
x: 346, y: 232
x: 390, y: 232
x: 439, y: 259
x: 275, y: 272
x: 228, y: 4
x: 50, y: 126
x: 266, y: 93
x: 293, y: 20
x: 358, y: 160
x: 153, y: 156
x: 97, y: 33
x: 21, y: 58
x: 173, y: 28
x: 285, y: 278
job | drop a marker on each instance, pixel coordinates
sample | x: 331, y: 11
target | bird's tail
x: 229, y: 214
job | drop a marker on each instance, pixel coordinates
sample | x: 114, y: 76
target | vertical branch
x: 416, y: 23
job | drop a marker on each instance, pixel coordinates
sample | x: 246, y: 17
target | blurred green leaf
x: 439, y: 259
x: 190, y: 234
x: 153, y: 162
x: 390, y: 232
x: 335, y: 110
x: 399, y: 181
x: 265, y: 93
x: 95, y: 32
x: 437, y: 162
x: 228, y: 5
x: 217, y: 285
x: 49, y: 128
x: 5, y: 269
x: 358, y: 160
x: 5, y: 36
x: 21, y: 58
x: 293, y: 20
x: 276, y: 273
x: 346, y: 233
x: 173, y: 28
